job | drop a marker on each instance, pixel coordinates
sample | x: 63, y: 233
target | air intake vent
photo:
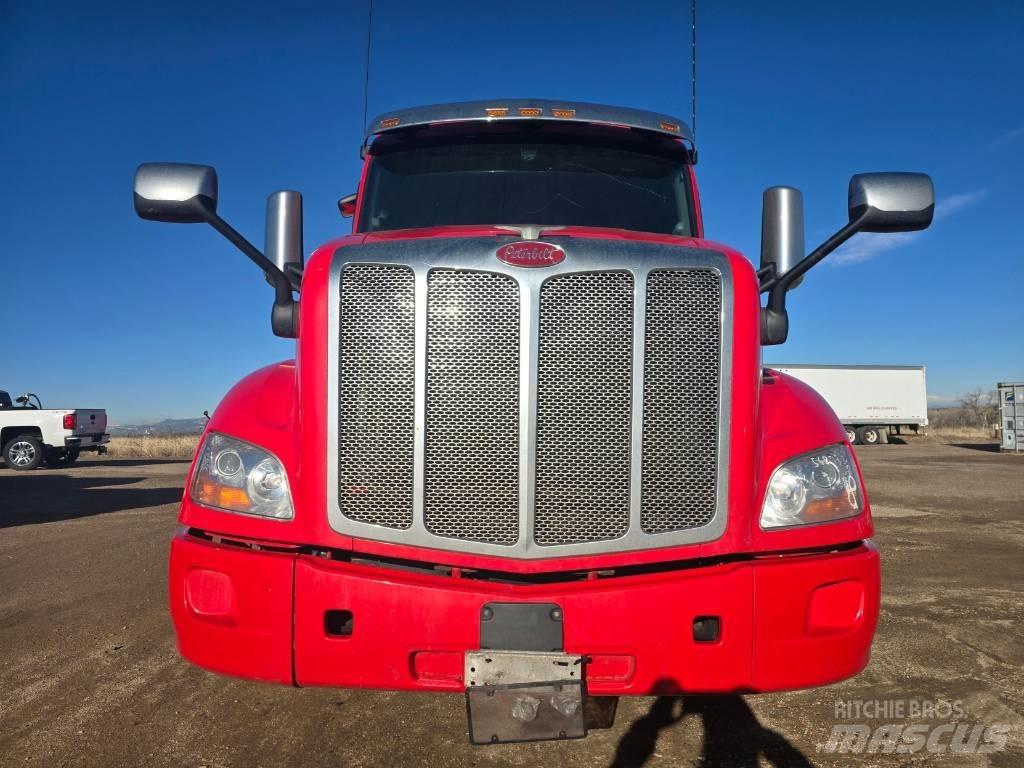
x: 584, y: 402
x: 376, y: 418
x: 682, y: 361
x: 471, y: 483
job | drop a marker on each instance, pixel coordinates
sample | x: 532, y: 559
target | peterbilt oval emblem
x: 530, y: 253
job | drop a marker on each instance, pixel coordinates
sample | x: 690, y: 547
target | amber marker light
x: 496, y: 111
x: 217, y: 495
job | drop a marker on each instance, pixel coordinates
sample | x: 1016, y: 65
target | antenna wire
x: 366, y: 81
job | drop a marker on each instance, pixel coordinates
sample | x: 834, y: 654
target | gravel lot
x: 89, y: 675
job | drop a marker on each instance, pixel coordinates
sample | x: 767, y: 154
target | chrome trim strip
x: 529, y: 315
x: 582, y: 255
x: 637, y: 435
x: 419, y: 397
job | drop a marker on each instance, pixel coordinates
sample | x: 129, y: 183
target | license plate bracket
x: 503, y: 714
x: 516, y: 696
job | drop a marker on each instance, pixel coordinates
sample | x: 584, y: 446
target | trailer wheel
x: 869, y: 435
x: 23, y: 452
x: 851, y: 435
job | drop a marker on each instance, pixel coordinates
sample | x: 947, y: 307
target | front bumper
x: 787, y: 621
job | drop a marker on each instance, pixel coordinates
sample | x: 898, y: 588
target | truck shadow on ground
x: 127, y: 462
x: 46, y: 497
x: 987, y: 447
x: 733, y: 737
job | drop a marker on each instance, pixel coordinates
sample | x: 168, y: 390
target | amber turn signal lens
x: 217, y: 495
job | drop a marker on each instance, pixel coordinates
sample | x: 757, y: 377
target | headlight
x: 814, y: 488
x: 239, y: 477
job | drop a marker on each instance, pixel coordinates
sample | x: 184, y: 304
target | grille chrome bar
x: 550, y: 502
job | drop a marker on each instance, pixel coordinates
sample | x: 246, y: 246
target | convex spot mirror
x: 891, y: 202
x: 175, y: 192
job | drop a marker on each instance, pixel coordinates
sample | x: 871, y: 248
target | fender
x: 794, y: 419
x: 261, y: 409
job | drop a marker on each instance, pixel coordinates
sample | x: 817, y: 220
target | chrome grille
x: 681, y: 399
x: 579, y: 409
x: 376, y: 404
x: 584, y: 384
x: 471, y: 468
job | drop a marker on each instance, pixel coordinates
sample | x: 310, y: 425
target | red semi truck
x: 526, y: 450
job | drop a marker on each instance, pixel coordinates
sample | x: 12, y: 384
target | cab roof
x: 496, y: 110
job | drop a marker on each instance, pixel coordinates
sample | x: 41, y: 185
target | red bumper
x: 789, y: 621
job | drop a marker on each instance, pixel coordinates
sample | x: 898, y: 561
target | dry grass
x: 154, y: 446
x: 961, y: 434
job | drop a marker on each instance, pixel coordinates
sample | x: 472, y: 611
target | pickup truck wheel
x: 63, y: 457
x: 869, y: 435
x: 23, y: 452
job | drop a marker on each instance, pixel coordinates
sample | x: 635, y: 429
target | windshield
x: 638, y: 183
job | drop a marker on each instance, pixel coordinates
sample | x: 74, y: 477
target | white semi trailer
x: 872, y: 401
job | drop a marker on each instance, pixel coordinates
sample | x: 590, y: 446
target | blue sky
x: 148, y: 320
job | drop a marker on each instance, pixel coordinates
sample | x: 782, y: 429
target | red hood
x: 472, y: 230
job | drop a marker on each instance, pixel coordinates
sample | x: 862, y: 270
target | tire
x: 851, y: 435
x: 58, y: 458
x: 869, y: 435
x: 23, y: 453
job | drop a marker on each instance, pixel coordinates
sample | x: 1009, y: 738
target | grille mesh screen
x: 584, y: 400
x: 471, y: 484
x: 681, y: 393
x: 375, y: 428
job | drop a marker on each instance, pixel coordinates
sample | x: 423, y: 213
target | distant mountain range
x: 165, y: 427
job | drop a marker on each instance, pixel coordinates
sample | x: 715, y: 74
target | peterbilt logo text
x: 531, y: 254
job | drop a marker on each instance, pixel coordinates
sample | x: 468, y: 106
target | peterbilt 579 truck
x: 526, y: 450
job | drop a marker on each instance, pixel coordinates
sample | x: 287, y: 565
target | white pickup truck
x: 31, y: 435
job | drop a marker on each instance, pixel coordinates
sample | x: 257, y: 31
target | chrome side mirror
x: 347, y: 205
x: 782, y: 230
x: 181, y: 193
x: 877, y: 202
x: 282, y: 242
x: 891, y: 202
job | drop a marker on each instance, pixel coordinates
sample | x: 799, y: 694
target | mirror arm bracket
x: 284, y: 316
x: 774, y: 318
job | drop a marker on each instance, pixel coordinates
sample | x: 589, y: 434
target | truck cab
x: 526, y: 447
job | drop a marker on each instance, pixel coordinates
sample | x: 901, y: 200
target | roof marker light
x: 530, y: 112
x: 673, y: 127
x: 496, y: 111
x: 389, y: 122
x: 563, y: 112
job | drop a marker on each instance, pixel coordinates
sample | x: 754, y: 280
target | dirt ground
x: 89, y: 675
